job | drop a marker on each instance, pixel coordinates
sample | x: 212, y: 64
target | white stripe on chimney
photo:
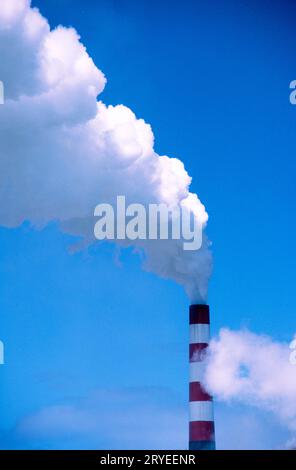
x: 196, y: 371
x: 199, y: 333
x: 201, y: 411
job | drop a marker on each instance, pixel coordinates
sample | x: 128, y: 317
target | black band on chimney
x: 199, y: 313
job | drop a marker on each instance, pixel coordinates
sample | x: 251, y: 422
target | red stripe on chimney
x: 199, y: 314
x: 197, y: 352
x: 201, y: 431
x: 198, y: 393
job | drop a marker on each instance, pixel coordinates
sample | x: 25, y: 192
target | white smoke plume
x: 255, y: 370
x: 62, y: 151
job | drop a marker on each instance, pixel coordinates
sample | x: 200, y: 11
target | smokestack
x: 201, y: 416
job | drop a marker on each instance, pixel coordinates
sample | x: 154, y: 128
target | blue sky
x: 212, y: 78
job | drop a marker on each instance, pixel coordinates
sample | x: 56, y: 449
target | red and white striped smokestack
x: 201, y: 416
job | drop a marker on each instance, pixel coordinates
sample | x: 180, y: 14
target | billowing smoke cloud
x: 62, y: 152
x: 254, y: 370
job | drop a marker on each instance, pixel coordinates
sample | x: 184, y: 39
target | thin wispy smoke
x: 63, y: 151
